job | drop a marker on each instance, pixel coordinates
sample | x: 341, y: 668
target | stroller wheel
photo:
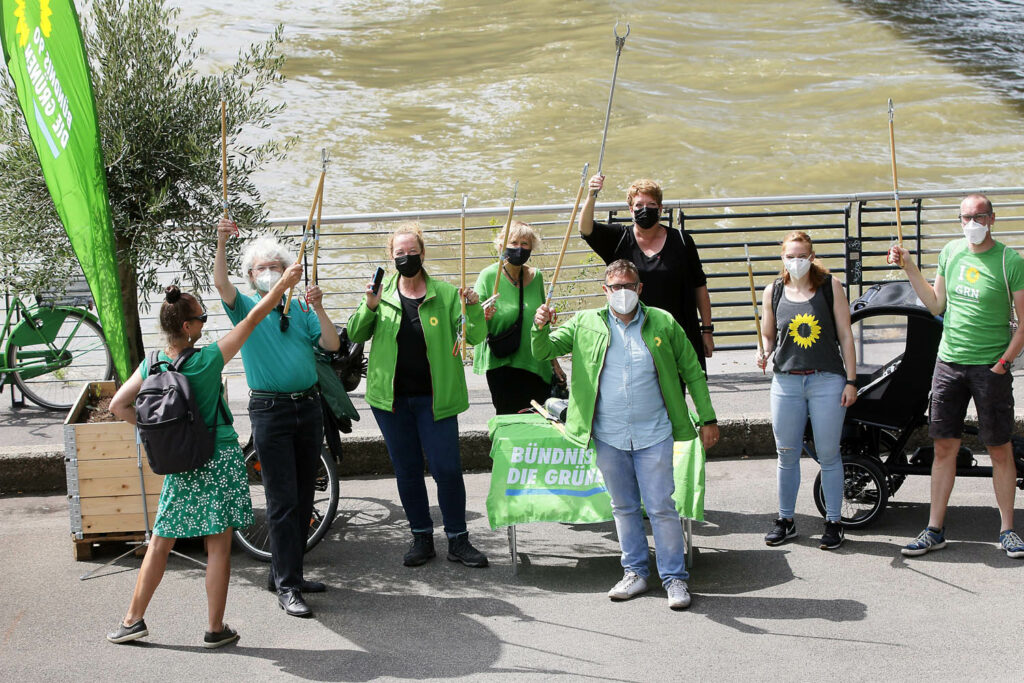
x: 865, y: 492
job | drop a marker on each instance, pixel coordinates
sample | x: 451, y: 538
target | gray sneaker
x: 631, y: 585
x: 678, y: 594
x: 125, y: 634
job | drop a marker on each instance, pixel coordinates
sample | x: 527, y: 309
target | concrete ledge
x: 38, y: 469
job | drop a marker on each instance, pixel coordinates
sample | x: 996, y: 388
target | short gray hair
x: 264, y: 249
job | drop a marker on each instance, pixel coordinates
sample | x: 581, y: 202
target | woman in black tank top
x: 807, y: 326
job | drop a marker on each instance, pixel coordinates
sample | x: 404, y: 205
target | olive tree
x: 160, y: 129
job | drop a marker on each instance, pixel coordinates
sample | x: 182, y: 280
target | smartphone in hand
x: 378, y: 278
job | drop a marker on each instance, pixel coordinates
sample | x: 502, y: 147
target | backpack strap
x: 182, y: 358
x: 155, y: 363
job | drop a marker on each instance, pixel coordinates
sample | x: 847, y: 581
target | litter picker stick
x: 504, y: 242
x: 620, y: 41
x: 462, y: 271
x: 224, y: 152
x: 753, y: 300
x: 305, y: 232
x: 895, y: 183
x: 319, y: 213
x: 568, y: 233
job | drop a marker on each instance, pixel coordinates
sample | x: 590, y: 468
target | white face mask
x: 975, y: 232
x: 623, y: 301
x: 266, y: 280
x: 798, y: 267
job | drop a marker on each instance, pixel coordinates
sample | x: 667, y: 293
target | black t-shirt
x: 412, y: 369
x: 670, y: 277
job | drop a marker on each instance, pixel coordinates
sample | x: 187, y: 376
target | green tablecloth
x: 539, y: 476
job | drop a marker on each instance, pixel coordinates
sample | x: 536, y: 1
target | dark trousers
x: 287, y: 434
x: 512, y: 389
x: 410, y: 433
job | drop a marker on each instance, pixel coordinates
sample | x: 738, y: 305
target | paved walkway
x: 862, y: 612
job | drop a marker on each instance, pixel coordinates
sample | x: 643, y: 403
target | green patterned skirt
x: 208, y: 500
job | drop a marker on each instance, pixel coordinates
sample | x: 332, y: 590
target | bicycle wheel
x: 865, y: 492
x: 52, y: 373
x: 255, y: 538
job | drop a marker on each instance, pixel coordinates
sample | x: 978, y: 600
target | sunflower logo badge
x: 804, y: 329
x: 433, y: 320
x: 972, y: 275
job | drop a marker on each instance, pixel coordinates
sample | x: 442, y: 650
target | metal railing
x: 852, y: 233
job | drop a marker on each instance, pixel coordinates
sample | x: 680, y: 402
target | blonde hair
x: 645, y: 186
x: 407, y: 228
x: 518, y: 229
x: 818, y: 271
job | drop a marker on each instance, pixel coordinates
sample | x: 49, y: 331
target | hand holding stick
x: 317, y: 198
x: 753, y: 300
x: 568, y: 233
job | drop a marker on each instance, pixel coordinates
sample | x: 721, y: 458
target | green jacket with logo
x: 587, y: 336
x: 439, y: 315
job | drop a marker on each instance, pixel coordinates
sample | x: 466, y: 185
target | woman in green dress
x: 209, y: 501
x: 514, y: 376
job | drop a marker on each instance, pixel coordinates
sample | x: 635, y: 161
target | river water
x: 420, y: 100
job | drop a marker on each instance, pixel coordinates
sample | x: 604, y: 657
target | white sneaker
x: 678, y: 594
x: 631, y: 585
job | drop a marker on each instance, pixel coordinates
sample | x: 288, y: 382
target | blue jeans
x: 793, y: 397
x: 410, y: 433
x: 645, y: 473
x: 287, y: 434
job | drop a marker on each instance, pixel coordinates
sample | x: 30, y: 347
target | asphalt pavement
x: 862, y: 612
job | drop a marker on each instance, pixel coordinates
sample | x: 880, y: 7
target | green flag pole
x: 45, y: 56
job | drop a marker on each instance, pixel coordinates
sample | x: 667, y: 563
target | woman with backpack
x: 213, y: 499
x: 807, y: 326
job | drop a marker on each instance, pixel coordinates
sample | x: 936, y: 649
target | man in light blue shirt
x: 627, y: 363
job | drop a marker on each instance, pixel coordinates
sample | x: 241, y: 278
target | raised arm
x: 225, y: 229
x: 932, y: 296
x: 232, y: 342
x: 586, y: 219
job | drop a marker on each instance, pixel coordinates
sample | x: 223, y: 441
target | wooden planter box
x: 104, y: 494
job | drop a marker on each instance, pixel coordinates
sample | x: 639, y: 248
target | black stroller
x: 897, y: 342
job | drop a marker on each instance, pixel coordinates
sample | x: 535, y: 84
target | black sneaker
x: 784, y: 530
x: 421, y: 550
x: 460, y: 550
x: 833, y: 536
x: 124, y: 634
x: 222, y: 637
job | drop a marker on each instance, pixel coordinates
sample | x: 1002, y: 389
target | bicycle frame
x: 37, y: 327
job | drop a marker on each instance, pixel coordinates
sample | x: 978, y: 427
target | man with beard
x: 284, y: 404
x: 667, y: 260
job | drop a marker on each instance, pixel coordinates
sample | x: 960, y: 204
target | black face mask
x: 646, y: 217
x: 408, y: 265
x: 517, y: 256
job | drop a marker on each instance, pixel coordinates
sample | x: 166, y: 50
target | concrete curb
x: 40, y: 469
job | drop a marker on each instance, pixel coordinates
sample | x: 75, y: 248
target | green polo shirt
x: 275, y: 360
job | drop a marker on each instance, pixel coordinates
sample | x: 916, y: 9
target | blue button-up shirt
x: 630, y: 412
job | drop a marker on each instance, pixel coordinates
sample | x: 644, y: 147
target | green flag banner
x: 43, y: 49
x: 539, y: 476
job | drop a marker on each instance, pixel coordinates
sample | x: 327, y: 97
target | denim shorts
x: 954, y: 385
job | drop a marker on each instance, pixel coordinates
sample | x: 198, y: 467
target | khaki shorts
x: 954, y: 385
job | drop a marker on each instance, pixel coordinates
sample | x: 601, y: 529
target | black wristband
x: 852, y: 382
x: 709, y: 422
x: 707, y: 328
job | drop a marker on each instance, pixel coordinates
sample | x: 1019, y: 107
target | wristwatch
x: 707, y: 328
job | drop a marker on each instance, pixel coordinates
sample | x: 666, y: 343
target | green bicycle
x: 51, y: 350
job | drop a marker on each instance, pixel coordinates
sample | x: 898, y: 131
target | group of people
x: 633, y: 361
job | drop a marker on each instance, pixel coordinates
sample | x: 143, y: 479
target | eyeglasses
x: 968, y: 217
x: 631, y: 286
x: 261, y: 269
x: 202, y: 317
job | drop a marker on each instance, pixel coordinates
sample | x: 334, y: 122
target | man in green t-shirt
x: 977, y: 283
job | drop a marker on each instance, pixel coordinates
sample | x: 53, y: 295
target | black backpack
x: 170, y: 425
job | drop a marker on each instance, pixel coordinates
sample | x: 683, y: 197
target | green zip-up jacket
x: 439, y: 314
x: 587, y: 336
